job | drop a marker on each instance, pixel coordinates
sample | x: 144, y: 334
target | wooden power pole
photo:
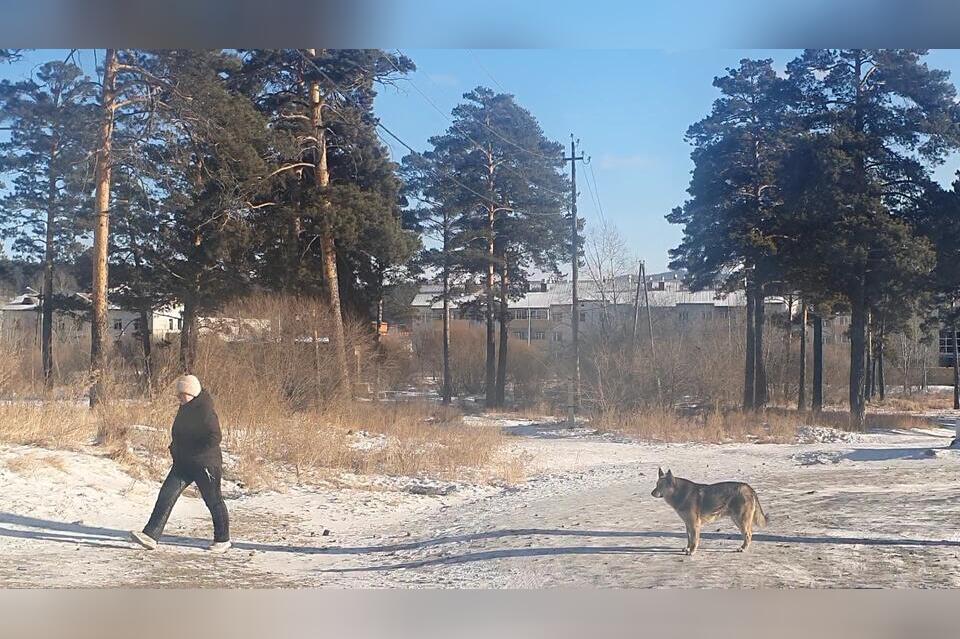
x: 636, y: 301
x: 653, y: 349
x: 574, y: 400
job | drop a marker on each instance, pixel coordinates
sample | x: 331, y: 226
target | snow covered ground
x: 847, y: 510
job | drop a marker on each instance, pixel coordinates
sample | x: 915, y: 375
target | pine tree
x: 729, y: 224
x: 437, y: 203
x: 937, y: 217
x: 318, y: 99
x: 208, y: 149
x: 882, y: 119
x: 49, y: 117
x: 510, y: 186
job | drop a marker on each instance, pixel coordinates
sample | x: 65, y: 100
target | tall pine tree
x: 49, y: 117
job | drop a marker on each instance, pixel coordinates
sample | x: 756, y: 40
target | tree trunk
x: 858, y: 348
x: 46, y: 323
x: 817, y: 405
x: 504, y: 336
x: 101, y: 233
x: 146, y: 346
x: 491, y: 371
x: 447, y: 390
x: 317, y: 360
x: 956, y: 370
x: 188, y: 338
x: 378, y: 342
x: 788, y: 359
x: 328, y: 245
x: 749, y: 371
x: 802, y: 382
x: 760, y: 371
x: 868, y: 367
x: 881, y: 384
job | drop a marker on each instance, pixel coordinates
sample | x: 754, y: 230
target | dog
x: 699, y: 504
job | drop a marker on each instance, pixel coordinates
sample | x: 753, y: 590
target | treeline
x: 819, y: 182
x: 200, y: 177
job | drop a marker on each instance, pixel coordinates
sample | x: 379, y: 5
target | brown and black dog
x: 699, y: 504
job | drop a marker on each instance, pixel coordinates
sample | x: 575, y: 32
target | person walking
x: 197, y: 459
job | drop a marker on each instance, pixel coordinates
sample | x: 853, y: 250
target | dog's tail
x: 760, y: 518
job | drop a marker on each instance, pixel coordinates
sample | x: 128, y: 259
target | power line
x: 411, y: 149
x: 593, y: 198
x: 450, y: 177
x: 484, y: 69
x: 483, y: 124
x: 440, y: 111
x: 596, y: 186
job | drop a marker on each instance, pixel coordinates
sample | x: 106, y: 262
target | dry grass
x: 60, y: 425
x: 771, y: 426
x: 918, y: 402
x: 407, y: 439
x: 714, y: 427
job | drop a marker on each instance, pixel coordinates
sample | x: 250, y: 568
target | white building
x: 542, y: 315
x: 20, y: 318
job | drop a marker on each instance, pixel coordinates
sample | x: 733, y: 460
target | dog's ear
x: 659, y: 472
x: 669, y: 475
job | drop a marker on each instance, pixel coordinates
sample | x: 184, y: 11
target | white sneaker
x: 219, y: 547
x: 143, y: 539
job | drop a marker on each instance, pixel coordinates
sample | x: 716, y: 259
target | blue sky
x: 629, y: 108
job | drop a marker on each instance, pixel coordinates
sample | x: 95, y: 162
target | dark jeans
x: 208, y: 483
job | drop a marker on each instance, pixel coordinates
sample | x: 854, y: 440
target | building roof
x: 29, y: 300
x: 561, y: 294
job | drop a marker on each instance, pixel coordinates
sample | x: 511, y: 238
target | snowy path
x: 876, y: 511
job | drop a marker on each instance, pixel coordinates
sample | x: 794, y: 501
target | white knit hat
x: 189, y: 385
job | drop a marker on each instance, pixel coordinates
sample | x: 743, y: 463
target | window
x: 436, y: 315
x: 583, y: 316
x: 520, y: 313
x: 118, y: 325
x: 539, y: 314
x: 946, y: 343
x: 684, y: 316
x: 520, y: 334
x: 558, y: 316
x: 558, y: 337
x: 661, y: 285
x: 707, y: 315
x: 171, y: 323
x: 539, y: 335
x: 180, y: 323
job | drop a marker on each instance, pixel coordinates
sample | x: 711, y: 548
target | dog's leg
x: 695, y: 539
x: 746, y: 524
x: 688, y: 549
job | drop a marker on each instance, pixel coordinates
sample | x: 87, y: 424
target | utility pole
x: 636, y: 301
x: 574, y: 400
x: 653, y: 351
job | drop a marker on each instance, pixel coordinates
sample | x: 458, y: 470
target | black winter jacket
x: 196, y: 434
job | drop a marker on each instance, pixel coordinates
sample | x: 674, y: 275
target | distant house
x: 542, y: 316
x: 946, y: 345
x: 20, y: 319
